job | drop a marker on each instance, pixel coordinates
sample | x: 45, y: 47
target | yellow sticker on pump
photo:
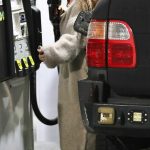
x: 31, y: 60
x: 19, y: 64
x: 25, y: 62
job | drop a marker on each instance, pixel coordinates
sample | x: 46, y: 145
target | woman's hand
x: 41, y: 53
x: 62, y: 9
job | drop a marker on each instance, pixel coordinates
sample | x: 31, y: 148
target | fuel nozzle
x: 54, y: 16
x: 53, y: 10
x: 54, y: 2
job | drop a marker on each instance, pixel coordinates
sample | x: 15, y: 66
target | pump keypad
x: 23, y: 60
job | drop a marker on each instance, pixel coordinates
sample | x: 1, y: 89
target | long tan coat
x: 69, y: 54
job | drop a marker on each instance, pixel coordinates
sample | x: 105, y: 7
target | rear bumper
x: 130, y: 119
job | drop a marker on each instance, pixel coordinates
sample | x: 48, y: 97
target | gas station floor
x: 45, y: 146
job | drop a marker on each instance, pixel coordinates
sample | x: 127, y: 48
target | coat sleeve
x: 64, y: 50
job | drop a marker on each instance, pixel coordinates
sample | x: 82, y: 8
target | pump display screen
x: 137, y: 117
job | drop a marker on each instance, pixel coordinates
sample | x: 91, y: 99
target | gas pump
x: 20, y: 34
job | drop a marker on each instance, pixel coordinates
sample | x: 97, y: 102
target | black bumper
x: 131, y: 115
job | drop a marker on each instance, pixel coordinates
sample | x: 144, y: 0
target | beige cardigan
x: 69, y: 53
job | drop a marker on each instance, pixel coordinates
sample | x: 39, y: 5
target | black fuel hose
x: 33, y: 99
x: 35, y: 40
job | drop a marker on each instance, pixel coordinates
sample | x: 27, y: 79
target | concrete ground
x: 45, y: 146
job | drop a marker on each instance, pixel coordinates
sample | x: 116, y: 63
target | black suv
x: 115, y: 99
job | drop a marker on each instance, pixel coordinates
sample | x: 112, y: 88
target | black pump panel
x: 6, y: 44
x: 133, y: 82
x: 3, y: 56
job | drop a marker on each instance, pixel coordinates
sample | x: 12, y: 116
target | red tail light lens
x: 121, y: 47
x: 96, y: 44
x: 96, y: 53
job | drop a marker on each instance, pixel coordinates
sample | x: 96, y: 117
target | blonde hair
x: 86, y: 4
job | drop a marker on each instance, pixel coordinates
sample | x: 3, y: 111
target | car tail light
x: 120, y: 51
x: 121, y: 47
x: 96, y: 44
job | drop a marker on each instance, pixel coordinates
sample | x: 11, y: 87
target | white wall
x: 47, y: 86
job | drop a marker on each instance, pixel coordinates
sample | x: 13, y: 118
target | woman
x: 69, y: 53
